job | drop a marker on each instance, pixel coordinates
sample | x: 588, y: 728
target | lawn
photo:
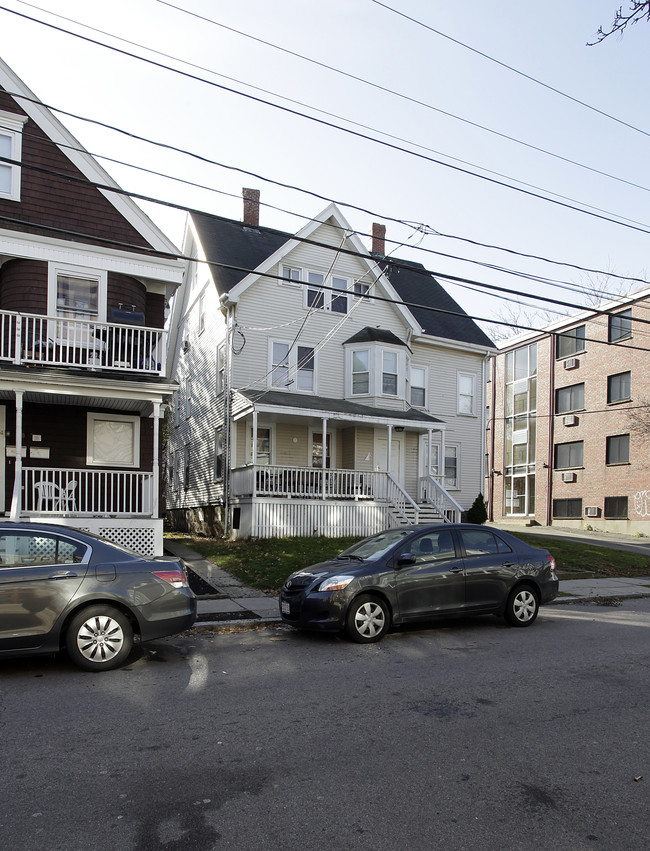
x: 265, y: 563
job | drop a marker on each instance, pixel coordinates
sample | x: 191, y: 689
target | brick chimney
x: 378, y: 239
x: 251, y: 207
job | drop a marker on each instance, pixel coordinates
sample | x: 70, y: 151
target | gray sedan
x: 65, y: 589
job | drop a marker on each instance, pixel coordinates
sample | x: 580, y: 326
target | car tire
x: 522, y: 606
x: 99, y: 638
x: 367, y: 619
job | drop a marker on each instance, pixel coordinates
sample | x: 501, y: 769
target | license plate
x: 285, y: 608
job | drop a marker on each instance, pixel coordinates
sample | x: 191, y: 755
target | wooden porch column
x: 430, y: 451
x: 389, y: 447
x: 324, y: 456
x: 16, y: 501
x: 442, y: 457
x: 155, y: 502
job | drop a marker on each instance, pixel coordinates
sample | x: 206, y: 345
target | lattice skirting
x: 145, y: 536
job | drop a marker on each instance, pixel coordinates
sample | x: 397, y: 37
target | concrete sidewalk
x: 234, y: 604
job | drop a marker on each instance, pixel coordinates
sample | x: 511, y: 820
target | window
x: 360, y: 373
x: 620, y: 326
x: 570, y: 398
x: 176, y: 470
x: 280, y: 365
x: 451, y: 465
x: 571, y: 342
x: 567, y: 508
x: 616, y: 507
x: 186, y: 466
x: 569, y: 454
x: 317, y: 450
x: 619, y: 387
x: 360, y: 289
x: 339, y: 302
x: 480, y: 542
x: 618, y: 449
x: 221, y: 369
x: 293, y: 367
x: 291, y: 275
x: 201, y: 313
x: 263, y: 454
x: 218, y: 455
x: 418, y: 387
x: 466, y: 394
x: 188, y: 398
x: 315, y: 292
x: 11, y: 126
x: 113, y: 440
x: 389, y: 373
x: 78, y: 295
x: 22, y: 549
x: 177, y: 408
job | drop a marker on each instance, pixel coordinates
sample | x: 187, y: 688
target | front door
x: 396, y: 466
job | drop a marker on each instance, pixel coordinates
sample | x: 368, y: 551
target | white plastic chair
x: 60, y: 499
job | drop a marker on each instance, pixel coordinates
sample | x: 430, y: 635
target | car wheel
x: 367, y: 619
x: 522, y: 606
x: 99, y: 638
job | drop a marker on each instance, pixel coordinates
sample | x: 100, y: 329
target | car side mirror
x: 405, y: 558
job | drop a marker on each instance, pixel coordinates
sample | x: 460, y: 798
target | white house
x: 324, y: 388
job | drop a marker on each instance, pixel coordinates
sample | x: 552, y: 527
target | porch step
x: 428, y: 514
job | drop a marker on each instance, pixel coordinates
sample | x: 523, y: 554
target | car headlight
x: 335, y: 583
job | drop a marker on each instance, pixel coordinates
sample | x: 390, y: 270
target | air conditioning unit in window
x: 569, y: 477
x: 570, y: 420
x: 571, y: 363
x: 592, y: 511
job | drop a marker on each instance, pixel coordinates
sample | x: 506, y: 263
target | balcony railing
x: 434, y: 493
x: 103, y: 493
x: 46, y: 340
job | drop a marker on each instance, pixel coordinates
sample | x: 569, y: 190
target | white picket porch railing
x: 35, y: 339
x: 433, y: 492
x: 97, y: 493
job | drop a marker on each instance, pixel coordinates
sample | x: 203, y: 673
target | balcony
x: 86, y: 493
x: 32, y: 339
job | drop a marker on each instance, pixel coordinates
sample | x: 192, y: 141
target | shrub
x: 478, y: 511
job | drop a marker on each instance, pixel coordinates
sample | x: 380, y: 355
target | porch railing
x: 433, y: 492
x: 35, y: 339
x: 100, y: 493
x: 315, y: 483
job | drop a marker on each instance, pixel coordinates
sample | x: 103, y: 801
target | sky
x: 430, y: 170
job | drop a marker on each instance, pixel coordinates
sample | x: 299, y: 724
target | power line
x: 378, y: 86
x: 511, y: 68
x: 316, y: 195
x: 619, y: 221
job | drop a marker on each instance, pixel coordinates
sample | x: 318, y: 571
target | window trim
x: 557, y: 446
x: 611, y: 437
x: 91, y: 418
x: 367, y: 371
x: 567, y: 335
x: 624, y: 318
x: 54, y: 270
x: 384, y: 373
x: 472, y: 377
x: 11, y: 125
x: 424, y: 386
x: 627, y: 398
x: 292, y: 366
x: 572, y: 407
x: 608, y: 515
x: 567, y: 516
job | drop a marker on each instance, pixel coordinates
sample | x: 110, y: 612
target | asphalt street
x: 464, y: 735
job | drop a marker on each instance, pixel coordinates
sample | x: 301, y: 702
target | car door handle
x: 508, y: 564
x: 456, y: 569
x: 63, y: 574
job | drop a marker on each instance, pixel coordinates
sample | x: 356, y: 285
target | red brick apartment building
x: 561, y: 445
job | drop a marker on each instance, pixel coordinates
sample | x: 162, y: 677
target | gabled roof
x: 244, y: 248
x: 74, y: 151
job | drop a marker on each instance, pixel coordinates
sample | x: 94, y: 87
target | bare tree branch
x: 639, y: 9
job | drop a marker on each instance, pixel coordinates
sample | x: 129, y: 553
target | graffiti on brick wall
x: 642, y: 503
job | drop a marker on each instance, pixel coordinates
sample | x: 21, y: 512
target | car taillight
x: 552, y: 560
x: 175, y: 577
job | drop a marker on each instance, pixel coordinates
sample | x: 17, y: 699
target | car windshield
x: 371, y: 549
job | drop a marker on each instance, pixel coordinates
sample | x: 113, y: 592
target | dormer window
x: 11, y: 128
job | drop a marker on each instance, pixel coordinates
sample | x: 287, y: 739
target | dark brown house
x: 85, y: 277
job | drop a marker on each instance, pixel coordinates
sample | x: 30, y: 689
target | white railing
x: 433, y: 492
x: 314, y: 483
x: 35, y: 339
x: 101, y: 493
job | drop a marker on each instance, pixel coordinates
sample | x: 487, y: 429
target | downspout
x: 551, y: 429
x: 16, y: 502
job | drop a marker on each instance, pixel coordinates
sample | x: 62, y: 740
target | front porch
x: 276, y: 501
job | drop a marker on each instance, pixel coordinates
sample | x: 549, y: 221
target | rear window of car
x: 21, y: 549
